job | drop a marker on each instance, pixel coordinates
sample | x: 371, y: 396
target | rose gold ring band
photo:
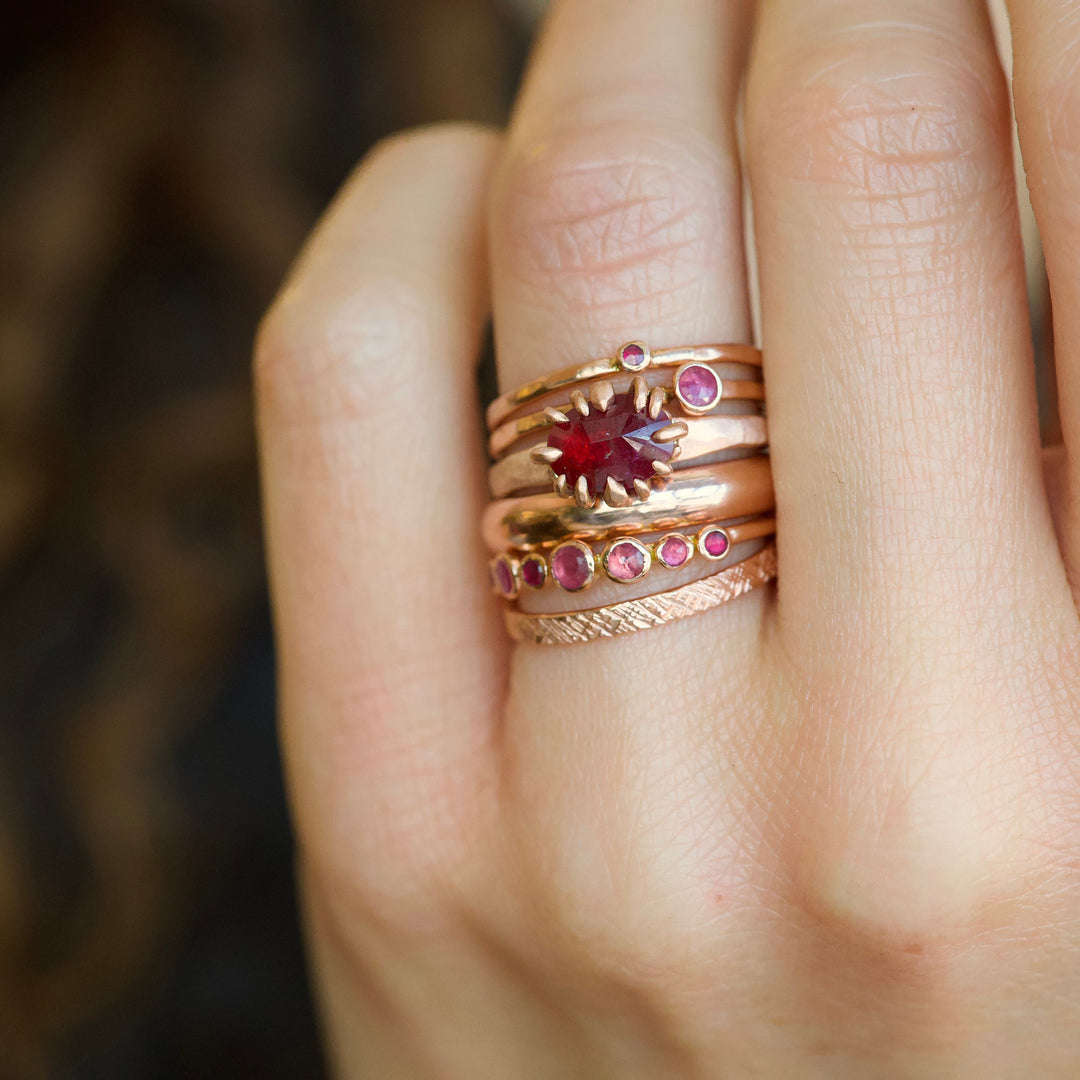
x: 629, y: 616
x: 634, y: 357
x: 504, y: 436
x: 694, y: 496
x: 706, y: 435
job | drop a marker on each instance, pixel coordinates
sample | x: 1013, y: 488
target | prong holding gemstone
x: 643, y: 490
x: 562, y: 488
x: 582, y: 493
x: 579, y: 401
x: 661, y: 468
x: 615, y: 494
x: 602, y: 394
x: 639, y: 389
x: 555, y: 416
x: 657, y: 400
x: 677, y: 430
x: 545, y: 455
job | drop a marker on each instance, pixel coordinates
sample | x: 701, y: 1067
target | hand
x: 826, y: 831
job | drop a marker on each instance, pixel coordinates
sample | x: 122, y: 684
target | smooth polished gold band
x: 694, y: 496
x: 629, y: 616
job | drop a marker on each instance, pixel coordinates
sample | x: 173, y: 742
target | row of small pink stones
x: 572, y: 565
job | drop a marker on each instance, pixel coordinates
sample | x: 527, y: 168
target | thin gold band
x: 629, y: 616
x: 507, y: 404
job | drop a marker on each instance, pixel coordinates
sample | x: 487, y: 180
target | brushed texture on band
x: 629, y: 616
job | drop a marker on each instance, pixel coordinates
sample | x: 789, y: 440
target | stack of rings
x: 625, y: 467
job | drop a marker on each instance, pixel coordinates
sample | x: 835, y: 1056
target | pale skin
x: 830, y: 830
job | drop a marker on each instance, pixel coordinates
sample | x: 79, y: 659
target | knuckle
x: 905, y: 848
x: 907, y: 139
x: 614, y: 216
x: 326, y: 346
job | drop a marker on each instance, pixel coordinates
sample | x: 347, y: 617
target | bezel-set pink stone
x: 713, y: 542
x: 504, y: 577
x: 533, y: 571
x: 634, y: 356
x: 626, y: 560
x: 697, y: 387
x: 572, y: 566
x: 674, y: 551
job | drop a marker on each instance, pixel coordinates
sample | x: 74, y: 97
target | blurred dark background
x: 160, y: 163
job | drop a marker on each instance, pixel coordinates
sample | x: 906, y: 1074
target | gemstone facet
x: 504, y: 577
x: 673, y: 551
x: 626, y: 561
x: 533, y: 571
x: 572, y: 565
x: 616, y: 444
x: 713, y: 543
x: 633, y: 356
x: 697, y: 387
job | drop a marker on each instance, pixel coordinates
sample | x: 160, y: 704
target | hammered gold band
x: 694, y: 496
x: 629, y: 616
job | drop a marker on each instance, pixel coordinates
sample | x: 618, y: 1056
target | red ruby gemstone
x: 699, y: 386
x: 504, y: 577
x: 716, y: 543
x: 626, y: 561
x: 674, y: 551
x: 617, y: 444
x: 570, y: 567
x: 632, y: 356
x: 533, y: 571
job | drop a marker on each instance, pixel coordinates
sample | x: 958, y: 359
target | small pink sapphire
x: 632, y: 356
x: 626, y: 561
x: 533, y: 571
x: 715, y: 543
x: 674, y: 551
x: 503, y: 576
x: 697, y: 387
x: 572, y: 566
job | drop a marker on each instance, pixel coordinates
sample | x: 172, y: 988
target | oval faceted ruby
x: 617, y: 445
x: 572, y: 566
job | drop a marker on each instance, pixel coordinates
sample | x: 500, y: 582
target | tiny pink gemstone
x: 716, y: 543
x: 626, y: 561
x: 571, y: 567
x: 698, y: 386
x: 674, y: 551
x: 533, y: 571
x: 632, y: 356
x: 503, y: 576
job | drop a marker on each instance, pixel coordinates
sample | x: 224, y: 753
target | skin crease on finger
x: 839, y: 843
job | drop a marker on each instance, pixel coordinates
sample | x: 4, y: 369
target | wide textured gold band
x: 705, y: 436
x: 633, y: 357
x: 629, y: 616
x: 694, y: 496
